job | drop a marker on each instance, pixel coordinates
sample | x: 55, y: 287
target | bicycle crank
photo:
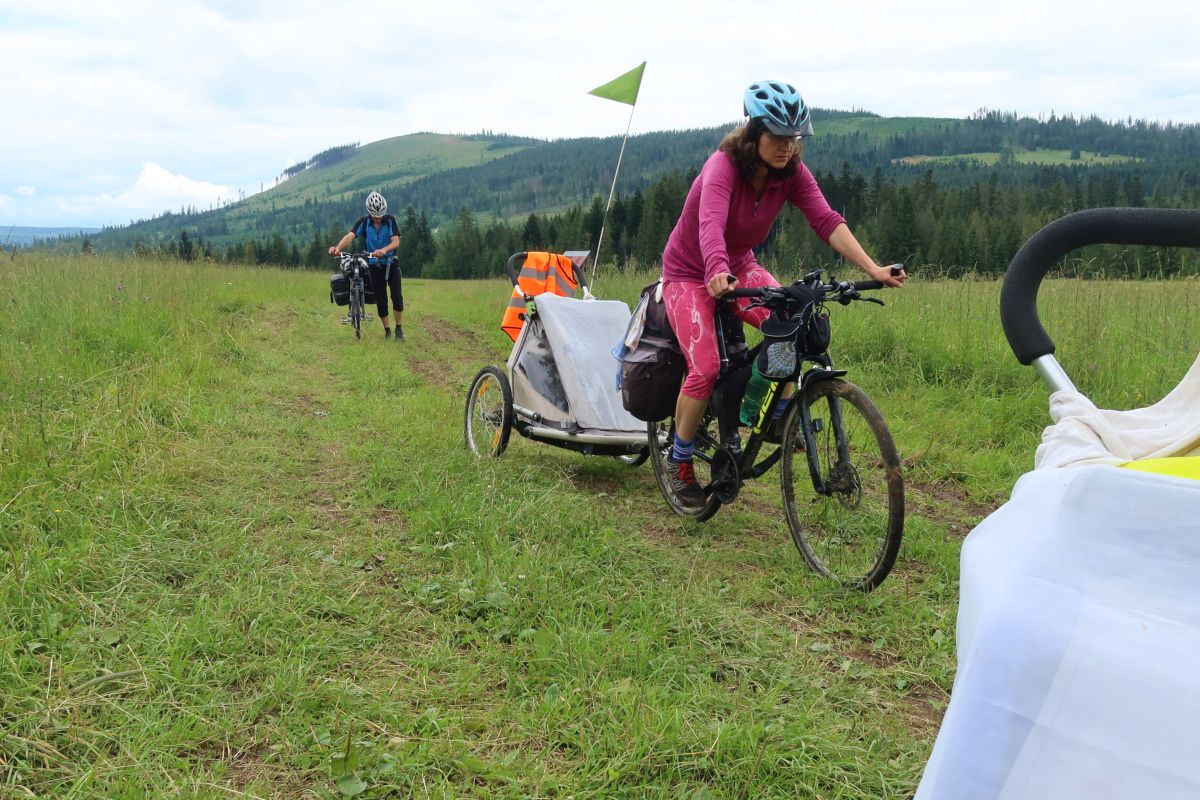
x: 726, y: 482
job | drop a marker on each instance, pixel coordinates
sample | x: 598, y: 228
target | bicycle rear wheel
x: 661, y: 436
x: 850, y: 532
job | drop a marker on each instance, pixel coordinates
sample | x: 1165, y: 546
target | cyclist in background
x: 729, y: 210
x: 380, y: 236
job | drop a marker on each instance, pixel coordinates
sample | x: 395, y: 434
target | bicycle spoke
x: 488, y: 417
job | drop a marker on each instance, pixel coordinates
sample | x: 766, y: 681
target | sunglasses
x: 785, y: 140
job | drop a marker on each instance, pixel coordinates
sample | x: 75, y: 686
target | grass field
x: 878, y: 127
x: 1048, y: 157
x: 244, y: 555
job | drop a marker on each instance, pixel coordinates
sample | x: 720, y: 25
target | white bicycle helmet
x: 376, y: 205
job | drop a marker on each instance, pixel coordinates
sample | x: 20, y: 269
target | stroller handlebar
x: 513, y: 267
x: 1135, y: 226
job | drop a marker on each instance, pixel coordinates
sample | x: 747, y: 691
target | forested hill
x: 860, y: 158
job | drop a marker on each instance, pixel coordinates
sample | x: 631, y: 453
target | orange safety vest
x: 541, y: 273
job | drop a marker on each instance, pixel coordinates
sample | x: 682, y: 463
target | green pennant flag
x: 623, y: 89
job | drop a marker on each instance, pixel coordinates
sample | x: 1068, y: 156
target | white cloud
x: 154, y: 191
x: 220, y: 89
x: 158, y: 188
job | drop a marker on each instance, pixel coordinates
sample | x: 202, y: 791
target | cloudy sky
x: 119, y: 111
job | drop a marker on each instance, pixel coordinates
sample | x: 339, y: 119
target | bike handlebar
x: 842, y: 291
x: 364, y: 256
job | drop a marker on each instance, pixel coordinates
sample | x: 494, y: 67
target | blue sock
x: 681, y: 450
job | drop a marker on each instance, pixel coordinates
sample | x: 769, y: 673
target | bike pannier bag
x: 339, y: 289
x: 650, y: 380
x: 652, y: 372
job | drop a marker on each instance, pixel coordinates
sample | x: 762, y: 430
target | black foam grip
x: 1136, y: 226
x: 511, y: 266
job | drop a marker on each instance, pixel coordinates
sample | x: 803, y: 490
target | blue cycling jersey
x: 375, y: 238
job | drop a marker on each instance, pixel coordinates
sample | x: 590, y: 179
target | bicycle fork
x: 810, y: 426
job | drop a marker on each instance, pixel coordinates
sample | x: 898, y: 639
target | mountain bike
x: 355, y: 267
x: 843, y: 494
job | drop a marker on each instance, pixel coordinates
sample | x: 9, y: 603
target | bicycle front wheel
x: 356, y: 311
x: 847, y: 524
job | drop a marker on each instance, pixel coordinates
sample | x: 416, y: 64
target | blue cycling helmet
x: 779, y: 107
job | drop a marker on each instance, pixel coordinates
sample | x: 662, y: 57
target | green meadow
x: 244, y: 555
x: 1046, y: 157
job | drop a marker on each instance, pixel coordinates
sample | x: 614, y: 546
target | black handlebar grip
x: 866, y: 286
x: 752, y: 292
x: 510, y: 266
x: 1136, y: 226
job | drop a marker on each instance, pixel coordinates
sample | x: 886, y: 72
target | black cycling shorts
x: 382, y: 285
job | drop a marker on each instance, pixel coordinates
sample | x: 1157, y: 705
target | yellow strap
x: 1180, y: 467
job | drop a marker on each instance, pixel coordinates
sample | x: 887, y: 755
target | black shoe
x: 387, y: 333
x: 399, y: 334
x: 683, y: 482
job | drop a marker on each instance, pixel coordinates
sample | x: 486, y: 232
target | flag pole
x: 611, y: 192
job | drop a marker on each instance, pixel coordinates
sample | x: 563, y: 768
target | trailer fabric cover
x: 1078, y: 644
x: 582, y: 334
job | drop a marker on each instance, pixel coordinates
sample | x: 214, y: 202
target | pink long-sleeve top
x: 722, y: 220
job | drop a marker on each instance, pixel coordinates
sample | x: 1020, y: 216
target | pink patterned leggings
x: 691, y: 309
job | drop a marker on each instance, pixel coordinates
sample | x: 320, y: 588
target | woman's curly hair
x: 742, y: 146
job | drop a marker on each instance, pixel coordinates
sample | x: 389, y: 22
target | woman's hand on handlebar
x: 892, y: 275
x: 334, y: 251
x: 720, y: 285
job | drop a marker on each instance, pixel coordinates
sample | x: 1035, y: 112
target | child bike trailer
x: 1079, y: 618
x: 557, y: 386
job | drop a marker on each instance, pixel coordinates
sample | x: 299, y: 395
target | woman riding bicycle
x: 380, y: 235
x: 729, y: 210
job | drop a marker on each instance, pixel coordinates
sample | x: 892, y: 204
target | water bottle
x: 756, y: 390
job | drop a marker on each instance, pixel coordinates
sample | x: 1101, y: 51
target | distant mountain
x: 496, y: 177
x: 26, y: 236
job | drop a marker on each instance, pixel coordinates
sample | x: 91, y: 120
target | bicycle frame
x: 354, y: 267
x: 728, y: 439
x: 850, y: 527
x: 745, y: 456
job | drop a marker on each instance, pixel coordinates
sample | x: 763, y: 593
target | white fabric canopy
x: 1085, y: 434
x: 1078, y: 644
x: 1079, y: 619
